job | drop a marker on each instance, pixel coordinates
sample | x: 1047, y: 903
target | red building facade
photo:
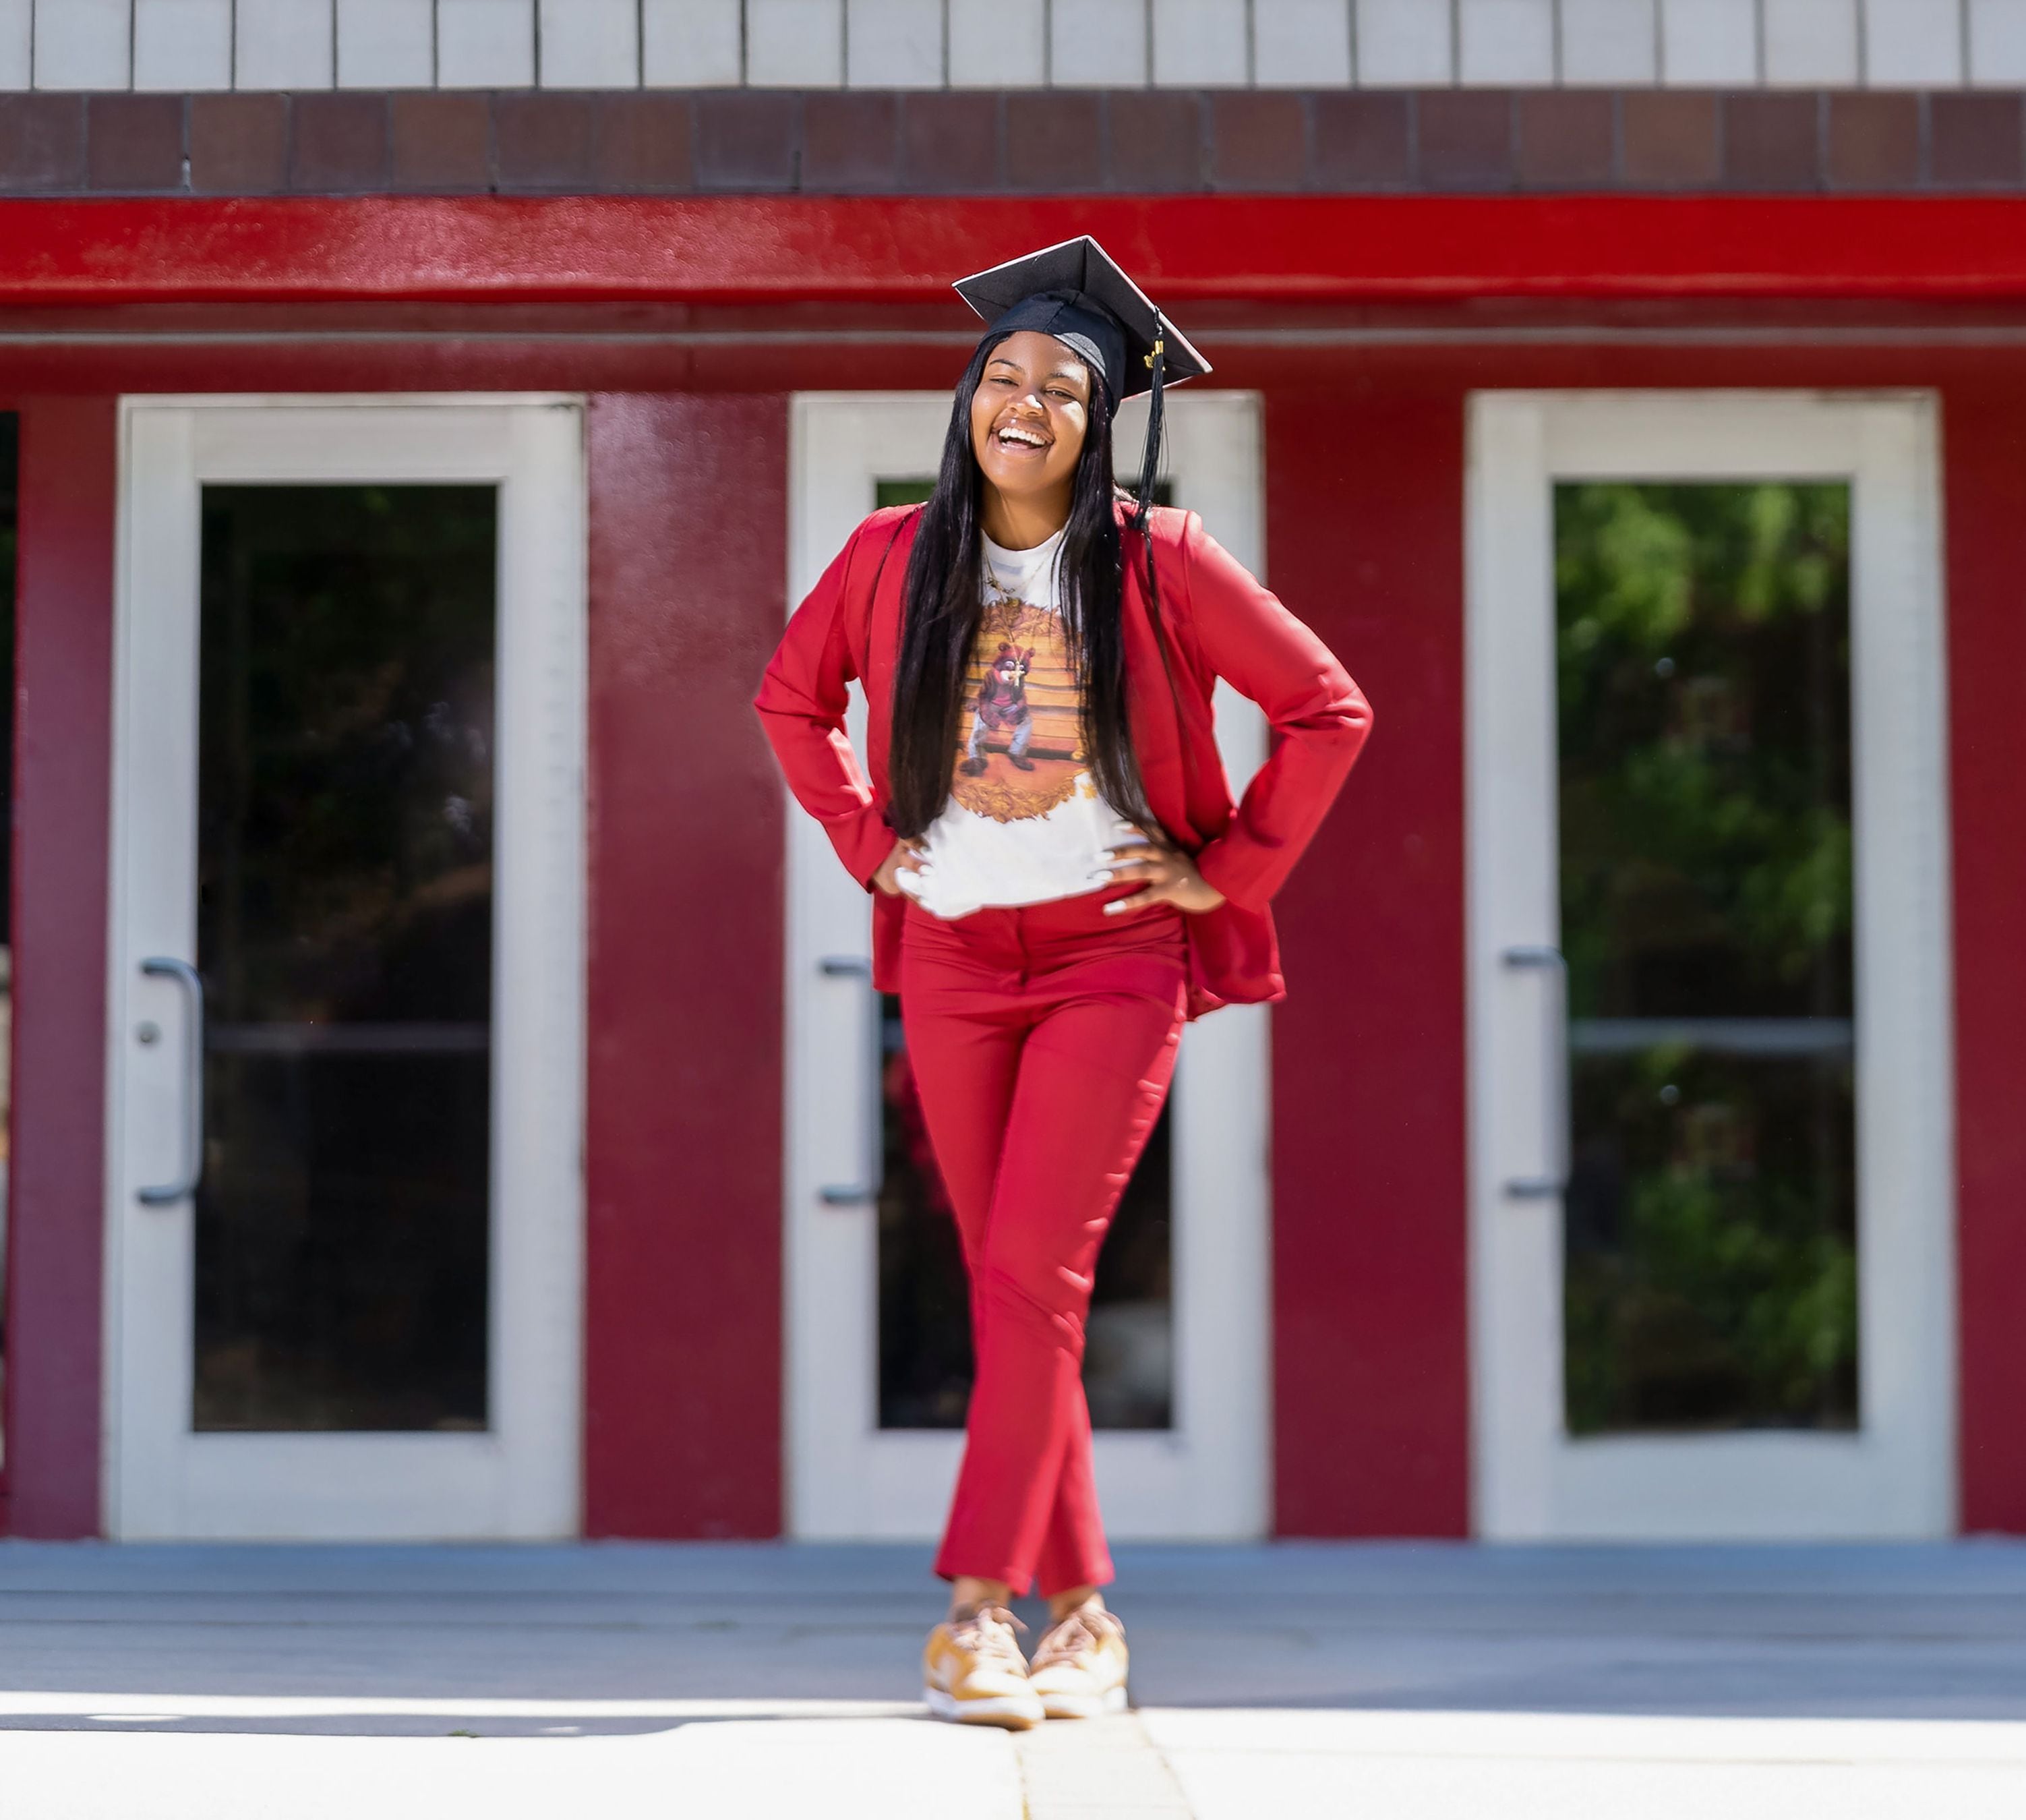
x: 682, y: 273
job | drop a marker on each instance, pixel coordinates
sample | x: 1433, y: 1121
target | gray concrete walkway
x: 756, y: 1681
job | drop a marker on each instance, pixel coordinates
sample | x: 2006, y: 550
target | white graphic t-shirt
x: 1025, y: 822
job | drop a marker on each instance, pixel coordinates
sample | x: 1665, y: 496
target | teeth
x: 1021, y: 436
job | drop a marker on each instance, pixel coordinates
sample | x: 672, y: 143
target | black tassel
x: 1150, y: 468
x: 1149, y: 472
x: 1157, y: 423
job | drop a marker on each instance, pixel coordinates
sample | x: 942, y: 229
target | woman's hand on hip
x: 905, y: 857
x: 1170, y: 876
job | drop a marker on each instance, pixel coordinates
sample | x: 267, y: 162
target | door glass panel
x: 1702, y: 634
x: 925, y: 1357
x: 345, y: 934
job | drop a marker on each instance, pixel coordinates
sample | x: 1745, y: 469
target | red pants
x: 1042, y: 1041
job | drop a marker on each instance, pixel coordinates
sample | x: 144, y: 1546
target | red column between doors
x: 1371, y: 1346
x: 683, y: 1145
x: 63, y: 781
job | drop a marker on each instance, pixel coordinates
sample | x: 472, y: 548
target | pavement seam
x: 1074, y: 1769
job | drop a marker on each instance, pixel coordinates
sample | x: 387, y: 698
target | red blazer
x: 1219, y: 622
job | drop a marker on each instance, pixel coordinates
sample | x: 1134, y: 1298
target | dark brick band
x: 1049, y: 141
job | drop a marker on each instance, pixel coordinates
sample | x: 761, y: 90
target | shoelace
x: 1068, y: 1637
x: 988, y: 1632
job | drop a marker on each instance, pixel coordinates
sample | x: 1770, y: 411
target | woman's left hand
x: 1170, y: 875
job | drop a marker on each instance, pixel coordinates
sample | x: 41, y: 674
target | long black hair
x: 944, y: 604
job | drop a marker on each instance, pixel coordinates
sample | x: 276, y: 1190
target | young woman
x: 1060, y: 880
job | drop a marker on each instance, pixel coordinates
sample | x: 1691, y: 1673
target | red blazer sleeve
x: 801, y: 703
x: 1320, y: 719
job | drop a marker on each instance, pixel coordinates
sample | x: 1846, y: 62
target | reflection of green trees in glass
x: 1711, y: 1277
x: 1703, y: 691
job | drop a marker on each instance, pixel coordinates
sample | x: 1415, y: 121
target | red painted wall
x: 63, y: 755
x: 683, y: 1143
x: 687, y: 566
x: 1984, y: 434
x: 1364, y: 538
x: 1370, y: 1354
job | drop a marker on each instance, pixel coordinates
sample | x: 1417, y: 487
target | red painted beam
x: 744, y: 248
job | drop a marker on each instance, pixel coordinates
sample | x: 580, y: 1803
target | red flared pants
x: 1042, y: 1040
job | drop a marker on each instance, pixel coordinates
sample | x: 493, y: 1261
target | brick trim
x: 661, y: 142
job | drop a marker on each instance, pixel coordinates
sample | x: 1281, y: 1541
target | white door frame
x: 1895, y: 1476
x: 1208, y: 1476
x: 522, y: 1478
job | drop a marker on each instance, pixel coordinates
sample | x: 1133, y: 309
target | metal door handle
x: 1555, y: 1087
x: 162, y: 967
x: 866, y: 1187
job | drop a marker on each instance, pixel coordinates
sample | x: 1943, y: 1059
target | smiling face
x: 1029, y: 417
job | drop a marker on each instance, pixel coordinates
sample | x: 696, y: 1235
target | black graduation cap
x: 1076, y: 291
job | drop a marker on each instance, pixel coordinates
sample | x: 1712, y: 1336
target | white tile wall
x: 81, y: 43
x: 1302, y: 44
x: 17, y: 36
x: 484, y: 43
x: 1201, y: 44
x: 1998, y: 41
x: 171, y: 45
x: 182, y: 44
x: 893, y: 43
x: 1913, y: 43
x: 998, y: 43
x: 282, y: 44
x: 385, y: 44
x: 794, y: 43
x: 1810, y: 43
x: 1502, y: 41
x: 588, y: 43
x: 690, y: 43
x: 1609, y: 40
x: 1403, y: 41
x: 1709, y: 43
x: 1098, y: 44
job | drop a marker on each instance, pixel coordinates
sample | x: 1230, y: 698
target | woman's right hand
x: 905, y: 857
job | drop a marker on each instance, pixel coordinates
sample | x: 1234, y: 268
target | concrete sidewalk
x: 1292, y: 1681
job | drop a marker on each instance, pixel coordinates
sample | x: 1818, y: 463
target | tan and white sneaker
x: 972, y: 1672
x: 1080, y: 1665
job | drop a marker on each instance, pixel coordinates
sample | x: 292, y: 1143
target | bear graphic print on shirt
x: 1025, y: 822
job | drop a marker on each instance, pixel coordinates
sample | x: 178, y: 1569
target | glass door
x: 345, y: 983
x: 1709, y: 958
x: 879, y: 1343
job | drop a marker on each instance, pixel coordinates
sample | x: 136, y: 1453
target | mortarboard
x: 1076, y: 291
